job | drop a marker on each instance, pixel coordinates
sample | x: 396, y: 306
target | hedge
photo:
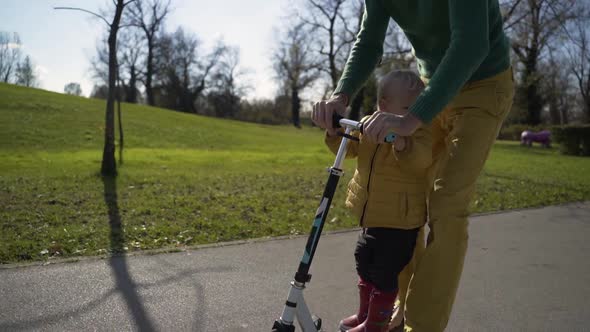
x: 573, y: 140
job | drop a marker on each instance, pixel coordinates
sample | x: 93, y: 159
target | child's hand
x: 399, y: 144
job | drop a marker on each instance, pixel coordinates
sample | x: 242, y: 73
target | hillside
x: 188, y: 179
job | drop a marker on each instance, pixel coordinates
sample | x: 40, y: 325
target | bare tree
x: 10, y: 55
x: 130, y: 56
x: 579, y: 61
x: 25, y: 73
x: 333, y: 30
x: 73, y: 89
x: 100, y: 70
x: 149, y: 16
x: 109, y: 166
x: 228, y: 86
x: 335, y: 24
x: 557, y: 89
x: 296, y: 65
x: 183, y: 71
x: 533, y: 25
x: 100, y: 62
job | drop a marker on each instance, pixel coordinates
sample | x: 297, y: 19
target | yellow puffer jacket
x: 389, y: 188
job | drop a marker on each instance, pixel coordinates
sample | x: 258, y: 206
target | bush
x: 585, y: 138
x: 573, y: 140
x: 265, y: 111
x: 512, y: 132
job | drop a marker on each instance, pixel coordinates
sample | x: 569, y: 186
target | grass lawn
x: 190, y: 180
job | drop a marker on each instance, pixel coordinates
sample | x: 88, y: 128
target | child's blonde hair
x: 409, y: 79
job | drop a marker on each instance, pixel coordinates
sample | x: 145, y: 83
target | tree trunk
x: 533, y: 102
x: 186, y: 102
x: 535, y: 105
x: 564, y: 110
x: 149, y: 73
x: 7, y: 76
x: 185, y: 93
x: 120, y: 121
x: 109, y: 166
x: 295, y: 107
x: 586, y: 97
x: 356, y: 105
x: 131, y: 94
x: 554, y: 112
x: 331, y: 55
x: 333, y: 72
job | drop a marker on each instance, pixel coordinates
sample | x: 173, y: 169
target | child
x: 388, y: 193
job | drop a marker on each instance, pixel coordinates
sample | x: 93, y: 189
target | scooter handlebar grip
x: 336, y: 120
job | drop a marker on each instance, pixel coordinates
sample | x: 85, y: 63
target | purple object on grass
x: 528, y: 137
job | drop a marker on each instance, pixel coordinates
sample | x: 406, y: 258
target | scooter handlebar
x: 338, y: 121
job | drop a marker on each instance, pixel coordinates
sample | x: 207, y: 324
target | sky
x: 61, y: 43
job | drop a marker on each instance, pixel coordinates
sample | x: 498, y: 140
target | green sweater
x: 455, y: 41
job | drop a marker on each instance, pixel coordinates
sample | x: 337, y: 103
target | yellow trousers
x: 463, y: 135
x: 406, y: 275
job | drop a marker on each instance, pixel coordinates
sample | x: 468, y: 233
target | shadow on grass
x: 124, y: 283
x: 123, y: 280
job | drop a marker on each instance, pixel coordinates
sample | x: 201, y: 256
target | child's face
x: 396, y: 99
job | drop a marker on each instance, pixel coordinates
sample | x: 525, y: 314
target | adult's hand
x: 323, y: 111
x: 381, y: 123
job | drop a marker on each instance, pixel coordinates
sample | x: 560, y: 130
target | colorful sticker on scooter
x: 315, y: 230
x: 390, y: 138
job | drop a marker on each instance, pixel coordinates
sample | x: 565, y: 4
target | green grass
x: 190, y: 180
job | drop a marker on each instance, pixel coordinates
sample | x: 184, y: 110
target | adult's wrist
x: 341, y: 97
x: 409, y: 124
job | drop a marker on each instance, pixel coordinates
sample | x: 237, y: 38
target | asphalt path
x: 526, y: 270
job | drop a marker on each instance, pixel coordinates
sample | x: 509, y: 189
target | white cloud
x: 14, y: 45
x: 41, y: 72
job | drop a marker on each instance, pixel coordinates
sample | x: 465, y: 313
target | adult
x: 463, y: 55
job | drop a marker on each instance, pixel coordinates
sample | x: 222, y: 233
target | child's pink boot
x: 380, y: 310
x: 365, y: 290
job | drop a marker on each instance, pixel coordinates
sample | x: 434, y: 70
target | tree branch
x: 517, y: 49
x: 346, y: 28
x: 84, y: 10
x: 516, y: 21
x: 313, y: 24
x: 321, y: 9
x: 508, y: 15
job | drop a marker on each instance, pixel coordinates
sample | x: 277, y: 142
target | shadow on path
x: 123, y: 281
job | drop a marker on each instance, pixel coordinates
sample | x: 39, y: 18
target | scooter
x: 295, y: 306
